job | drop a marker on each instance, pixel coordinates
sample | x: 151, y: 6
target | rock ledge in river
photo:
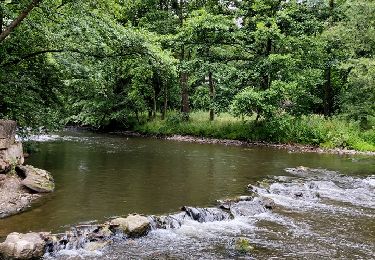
x: 36, y: 179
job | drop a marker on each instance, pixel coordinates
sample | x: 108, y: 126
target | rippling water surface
x: 324, y: 213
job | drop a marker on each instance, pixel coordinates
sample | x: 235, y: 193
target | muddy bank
x: 296, y: 148
x: 14, y: 197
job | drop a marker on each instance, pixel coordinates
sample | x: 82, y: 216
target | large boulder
x: 133, y: 225
x: 11, y: 156
x: 23, y: 246
x: 7, y: 133
x: 36, y: 179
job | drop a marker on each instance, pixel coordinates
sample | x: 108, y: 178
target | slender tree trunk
x: 212, y: 96
x: 165, y: 107
x: 328, y: 90
x: 154, y: 105
x: 1, y: 19
x: 266, y: 82
x: 185, y: 106
x: 18, y: 20
x: 328, y: 93
x: 184, y: 93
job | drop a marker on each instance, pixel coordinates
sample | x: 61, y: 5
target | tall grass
x: 312, y: 130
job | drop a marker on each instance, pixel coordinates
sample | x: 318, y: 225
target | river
x: 100, y: 176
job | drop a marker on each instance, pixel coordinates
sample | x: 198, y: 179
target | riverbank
x: 293, y: 148
x: 297, y: 134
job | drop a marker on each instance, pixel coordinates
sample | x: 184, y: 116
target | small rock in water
x: 227, y: 203
x: 205, y: 214
x: 133, y: 225
x: 242, y: 245
x: 23, y: 246
x: 95, y: 246
x: 268, y: 203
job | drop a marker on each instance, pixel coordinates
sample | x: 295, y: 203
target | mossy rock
x: 242, y: 245
x: 36, y: 179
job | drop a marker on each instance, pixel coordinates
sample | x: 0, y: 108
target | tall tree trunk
x: 16, y: 22
x: 1, y: 19
x: 154, y: 105
x: 184, y: 92
x: 212, y: 96
x: 185, y: 106
x: 165, y: 106
x: 328, y: 92
x: 266, y: 81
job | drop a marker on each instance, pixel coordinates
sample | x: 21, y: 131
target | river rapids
x: 304, y: 214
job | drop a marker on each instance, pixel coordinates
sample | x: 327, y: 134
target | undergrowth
x: 309, y: 130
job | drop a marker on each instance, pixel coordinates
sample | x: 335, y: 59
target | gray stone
x: 12, y: 156
x: 96, y: 245
x: 23, y: 246
x: 37, y: 179
x: 133, y: 225
x: 7, y: 133
x: 268, y: 203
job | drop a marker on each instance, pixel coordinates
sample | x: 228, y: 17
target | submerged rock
x: 268, y: 203
x: 23, y: 246
x: 36, y: 179
x: 247, y: 208
x: 133, y: 225
x: 227, y: 203
x: 169, y: 222
x: 206, y: 214
x: 96, y: 245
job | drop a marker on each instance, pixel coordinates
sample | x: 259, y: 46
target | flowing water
x: 327, y: 212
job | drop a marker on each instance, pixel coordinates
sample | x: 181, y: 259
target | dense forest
x: 273, y: 70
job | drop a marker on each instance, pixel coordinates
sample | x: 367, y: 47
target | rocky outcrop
x: 23, y: 246
x: 11, y: 152
x: 18, y: 183
x: 7, y: 133
x: 133, y: 225
x: 36, y: 179
x: 14, y: 197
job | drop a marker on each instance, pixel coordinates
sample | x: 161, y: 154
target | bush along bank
x: 313, y: 130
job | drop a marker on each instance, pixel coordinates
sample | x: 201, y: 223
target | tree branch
x: 4, y: 34
x: 98, y: 56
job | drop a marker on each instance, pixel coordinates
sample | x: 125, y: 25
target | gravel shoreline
x: 297, y: 148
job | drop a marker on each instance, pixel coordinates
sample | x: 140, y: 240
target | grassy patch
x: 311, y: 130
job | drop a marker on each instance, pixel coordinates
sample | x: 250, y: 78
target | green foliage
x: 277, y: 64
x: 358, y: 97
